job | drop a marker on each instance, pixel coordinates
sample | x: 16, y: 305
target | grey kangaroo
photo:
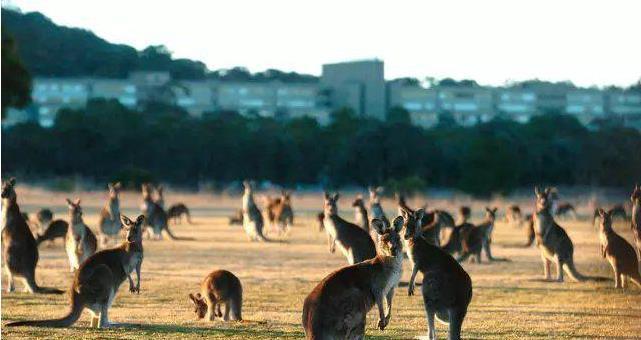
x: 80, y: 242
x: 618, y: 252
x: 109, y: 219
x: 50, y: 229
x: 337, y: 307
x: 219, y: 287
x: 20, y: 253
x: 155, y: 215
x: 352, y: 241
x: 253, y: 221
x: 479, y: 238
x: 96, y: 282
x: 446, y: 288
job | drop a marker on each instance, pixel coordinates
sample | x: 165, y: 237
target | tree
x: 400, y: 115
x: 16, y: 81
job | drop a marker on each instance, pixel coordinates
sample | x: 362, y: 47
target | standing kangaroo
x: 446, y: 288
x: 20, y: 253
x: 353, y: 242
x: 80, y: 242
x: 109, y: 220
x: 337, y: 307
x: 360, y: 213
x: 513, y: 215
x: 618, y: 252
x: 636, y: 218
x: 280, y: 213
x: 219, y: 287
x: 552, y: 240
x: 252, y: 218
x: 155, y: 216
x: 97, y: 280
x: 479, y: 238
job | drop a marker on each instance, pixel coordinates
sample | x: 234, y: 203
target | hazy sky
x: 587, y: 42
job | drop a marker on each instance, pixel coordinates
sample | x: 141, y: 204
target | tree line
x: 106, y: 141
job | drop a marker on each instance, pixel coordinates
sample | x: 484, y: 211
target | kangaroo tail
x: 636, y: 279
x: 65, y: 321
x: 33, y: 286
x: 174, y: 237
x: 570, y: 269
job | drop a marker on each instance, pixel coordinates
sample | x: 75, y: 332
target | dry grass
x: 510, y: 301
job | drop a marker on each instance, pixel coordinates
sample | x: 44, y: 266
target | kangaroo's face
x: 635, y: 197
x: 390, y: 240
x: 75, y: 210
x: 606, y: 219
x: 248, y: 187
x: 133, y: 228
x: 543, y: 201
x: 330, y: 207
x: 199, y: 304
x: 373, y: 194
x: 411, y: 221
x: 490, y: 214
x: 114, y: 189
x: 8, y: 191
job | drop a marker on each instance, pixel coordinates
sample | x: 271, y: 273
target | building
x: 359, y: 85
x: 585, y: 104
x: 516, y: 104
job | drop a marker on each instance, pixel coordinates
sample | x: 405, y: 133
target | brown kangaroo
x: 155, y: 216
x: 353, y: 242
x: 478, y: 238
x: 446, y: 288
x: 618, y: 210
x: 50, y: 229
x: 337, y: 307
x: 176, y: 211
x: 97, y: 280
x: 433, y: 221
x: 280, y: 212
x: 253, y: 221
x: 236, y: 219
x: 219, y: 287
x: 360, y: 213
x: 513, y: 215
x: 80, y: 242
x: 109, y: 220
x: 43, y: 216
x: 618, y: 252
x: 464, y: 213
x: 20, y: 253
x: 636, y: 218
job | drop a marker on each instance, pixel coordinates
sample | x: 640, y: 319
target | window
x: 130, y: 89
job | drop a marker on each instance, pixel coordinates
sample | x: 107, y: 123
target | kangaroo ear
x: 537, y: 192
x: 125, y: 220
x: 398, y: 223
x: 69, y: 202
x: 336, y: 196
x: 326, y: 195
x: 118, y: 185
x: 140, y: 219
x: 379, y: 225
x: 110, y: 186
x: 494, y: 210
x: 77, y: 201
x: 193, y: 299
x: 12, y: 181
x: 418, y: 214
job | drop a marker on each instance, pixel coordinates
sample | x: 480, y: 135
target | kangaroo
x: 478, y: 238
x: 97, y: 280
x: 161, y: 198
x: 320, y: 218
x: 376, y: 210
x: 618, y: 210
x: 109, y: 220
x: 50, y: 229
x: 453, y: 245
x: 432, y: 222
x: 618, y: 252
x: 353, y: 242
x: 636, y: 218
x: 155, y: 216
x: 281, y: 214
x: 252, y: 218
x: 80, y: 242
x: 176, y: 211
x: 337, y: 307
x: 236, y: 219
x: 219, y: 287
x: 446, y: 288
x: 513, y: 215
x: 552, y: 240
x: 530, y: 234
x: 20, y: 252
x: 360, y: 213
x: 464, y: 214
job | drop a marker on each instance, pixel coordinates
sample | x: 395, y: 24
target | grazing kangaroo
x: 478, y: 238
x: 80, y: 242
x: 20, y: 252
x: 552, y: 240
x: 176, y: 211
x: 252, y: 218
x: 97, y: 280
x: 353, y: 242
x: 219, y: 287
x: 360, y: 213
x: 618, y: 252
x: 109, y: 220
x: 237, y: 219
x: 155, y: 216
x: 446, y: 288
x: 337, y: 307
x: 513, y: 215
x: 636, y: 218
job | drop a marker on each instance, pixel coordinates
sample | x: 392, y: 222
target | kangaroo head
x: 200, y: 306
x: 146, y: 190
x: 543, y: 200
x: 8, y: 191
x: 490, y: 214
x: 75, y: 211
x: 635, y: 197
x: 606, y: 219
x: 248, y: 187
x: 330, y: 208
x: 412, y: 223
x: 390, y: 240
x: 159, y: 190
x: 133, y: 228
x: 285, y: 196
x: 114, y: 189
x: 358, y: 202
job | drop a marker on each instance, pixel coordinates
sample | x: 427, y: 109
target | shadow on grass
x: 534, y: 334
x: 244, y: 332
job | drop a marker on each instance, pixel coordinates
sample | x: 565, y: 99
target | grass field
x: 510, y: 300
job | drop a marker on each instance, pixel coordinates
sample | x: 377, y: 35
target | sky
x: 493, y: 42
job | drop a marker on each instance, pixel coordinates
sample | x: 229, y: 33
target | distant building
x: 359, y: 85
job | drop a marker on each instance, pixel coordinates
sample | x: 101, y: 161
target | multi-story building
x: 516, y: 104
x: 585, y: 104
